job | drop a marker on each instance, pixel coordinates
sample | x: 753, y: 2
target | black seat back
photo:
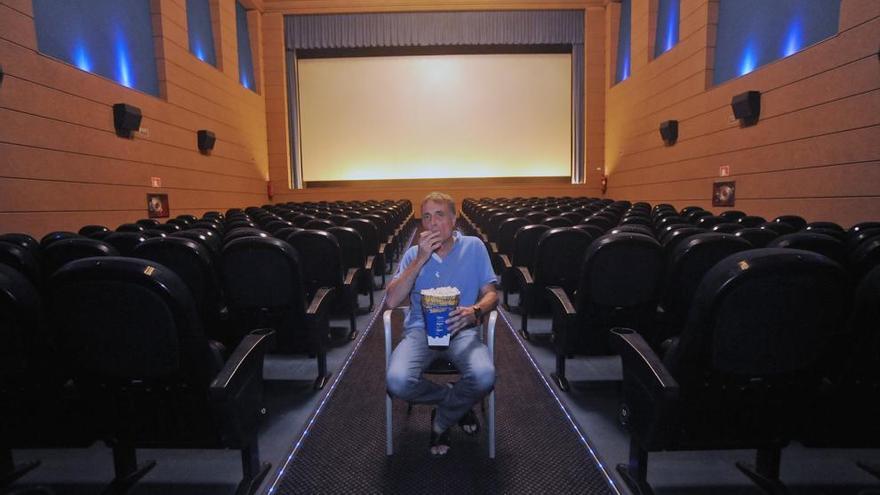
x: 507, y: 232
x: 619, y: 286
x: 761, y: 327
x: 123, y: 321
x: 192, y: 262
x: 690, y: 261
x: 817, y: 243
x: 321, y: 259
x: 757, y: 237
x: 559, y: 257
x: 125, y: 242
x: 64, y: 251
x: 525, y: 244
x: 263, y: 285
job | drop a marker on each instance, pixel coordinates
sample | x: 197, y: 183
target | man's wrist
x: 478, y: 314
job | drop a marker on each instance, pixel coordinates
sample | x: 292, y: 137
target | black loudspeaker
x: 1, y: 75
x: 747, y: 107
x: 206, y: 140
x: 669, y: 131
x: 126, y: 119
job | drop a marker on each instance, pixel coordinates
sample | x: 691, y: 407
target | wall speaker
x: 669, y: 131
x: 1, y: 75
x: 747, y: 107
x: 206, y: 140
x: 126, y: 119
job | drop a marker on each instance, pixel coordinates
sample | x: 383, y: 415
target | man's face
x: 436, y: 217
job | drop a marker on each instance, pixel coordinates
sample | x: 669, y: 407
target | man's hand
x: 428, y: 243
x: 460, y: 318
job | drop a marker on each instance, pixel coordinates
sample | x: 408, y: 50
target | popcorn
x: 436, y: 305
x: 440, y: 296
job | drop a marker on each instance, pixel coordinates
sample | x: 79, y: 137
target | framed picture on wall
x: 157, y: 206
x: 724, y: 193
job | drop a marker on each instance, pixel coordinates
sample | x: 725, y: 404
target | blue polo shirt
x: 466, y: 267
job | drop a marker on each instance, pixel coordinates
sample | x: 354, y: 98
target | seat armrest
x: 564, y: 315
x: 368, y: 265
x: 650, y: 391
x: 493, y: 248
x: 236, y: 393
x: 560, y: 302
x: 320, y: 302
x: 505, y: 261
x: 490, y: 333
x: 386, y: 320
x: 350, y: 277
x: 523, y: 276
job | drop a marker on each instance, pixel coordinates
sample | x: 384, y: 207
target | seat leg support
x: 125, y: 466
x: 253, y: 472
x: 558, y: 376
x: 765, y: 472
x: 491, y: 424
x: 873, y: 469
x: 389, y: 440
x: 323, y: 375
x: 635, y: 472
x: 9, y: 472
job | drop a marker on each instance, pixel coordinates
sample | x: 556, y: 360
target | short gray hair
x: 439, y: 197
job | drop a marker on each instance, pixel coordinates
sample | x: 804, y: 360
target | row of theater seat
x: 163, y: 347
x: 726, y: 343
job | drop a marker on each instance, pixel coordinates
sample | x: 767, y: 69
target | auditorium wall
x: 276, y: 106
x: 61, y: 164
x: 814, y: 151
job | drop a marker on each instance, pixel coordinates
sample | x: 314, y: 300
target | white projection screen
x: 435, y: 116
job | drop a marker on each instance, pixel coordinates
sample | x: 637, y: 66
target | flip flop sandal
x: 469, y: 419
x: 438, y: 439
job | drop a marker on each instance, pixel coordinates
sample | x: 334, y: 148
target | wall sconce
x: 747, y: 107
x: 126, y: 119
x: 669, y: 132
x: 205, y: 141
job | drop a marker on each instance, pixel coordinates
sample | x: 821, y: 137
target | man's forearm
x: 399, y: 288
x: 488, y: 301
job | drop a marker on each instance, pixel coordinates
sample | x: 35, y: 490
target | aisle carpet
x: 538, y: 451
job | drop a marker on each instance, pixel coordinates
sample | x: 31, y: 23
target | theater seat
x: 687, y: 266
x: 59, y: 253
x: 264, y: 288
x: 817, y: 243
x: 846, y: 413
x: 37, y: 407
x: 192, y: 262
x: 557, y: 262
x: 619, y: 285
x: 131, y: 333
x: 746, y: 367
x: 322, y: 266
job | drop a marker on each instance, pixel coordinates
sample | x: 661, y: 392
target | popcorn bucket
x: 436, y: 306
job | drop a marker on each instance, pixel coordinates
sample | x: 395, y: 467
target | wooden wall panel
x: 814, y: 144
x: 61, y: 164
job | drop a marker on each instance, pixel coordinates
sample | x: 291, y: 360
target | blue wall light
x: 245, y: 62
x: 752, y: 33
x: 748, y: 59
x: 123, y: 67
x: 794, y: 38
x: 111, y: 38
x: 200, y: 31
x: 667, y: 26
x: 623, y: 42
x: 81, y: 57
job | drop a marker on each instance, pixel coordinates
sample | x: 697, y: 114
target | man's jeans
x: 469, y: 355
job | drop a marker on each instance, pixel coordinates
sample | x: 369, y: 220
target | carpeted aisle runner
x: 538, y: 451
